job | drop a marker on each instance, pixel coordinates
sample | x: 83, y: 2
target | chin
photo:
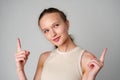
x: 57, y: 44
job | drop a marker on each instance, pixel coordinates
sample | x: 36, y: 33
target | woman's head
x: 54, y: 25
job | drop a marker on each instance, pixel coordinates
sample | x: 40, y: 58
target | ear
x: 67, y: 24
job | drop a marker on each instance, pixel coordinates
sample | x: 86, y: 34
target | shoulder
x: 44, y: 56
x: 86, y: 58
x: 88, y: 55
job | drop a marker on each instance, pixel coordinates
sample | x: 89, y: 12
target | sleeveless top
x: 63, y: 65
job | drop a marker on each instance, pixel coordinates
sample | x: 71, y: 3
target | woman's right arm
x: 40, y: 65
x: 21, y: 58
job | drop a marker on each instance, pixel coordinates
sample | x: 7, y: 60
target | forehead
x: 50, y: 18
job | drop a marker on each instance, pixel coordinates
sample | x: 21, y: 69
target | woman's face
x: 54, y: 28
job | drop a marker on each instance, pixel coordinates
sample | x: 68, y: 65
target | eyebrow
x: 43, y: 29
x: 53, y: 24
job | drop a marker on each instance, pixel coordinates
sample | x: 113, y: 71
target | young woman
x: 67, y: 61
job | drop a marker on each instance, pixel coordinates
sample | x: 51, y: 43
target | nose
x: 53, y: 33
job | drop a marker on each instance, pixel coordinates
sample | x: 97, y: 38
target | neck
x: 67, y: 46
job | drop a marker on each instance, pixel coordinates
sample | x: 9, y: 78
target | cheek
x: 47, y: 36
x: 62, y: 31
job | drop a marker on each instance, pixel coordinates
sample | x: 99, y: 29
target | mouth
x: 56, y: 39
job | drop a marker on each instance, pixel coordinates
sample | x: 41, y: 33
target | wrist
x: 88, y: 76
x: 21, y: 74
x: 19, y: 69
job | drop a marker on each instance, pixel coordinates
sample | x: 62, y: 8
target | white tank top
x: 63, y: 65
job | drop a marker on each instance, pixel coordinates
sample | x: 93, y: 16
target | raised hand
x: 96, y: 64
x: 21, y: 56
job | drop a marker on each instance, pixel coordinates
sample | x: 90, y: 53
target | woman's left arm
x: 91, y: 65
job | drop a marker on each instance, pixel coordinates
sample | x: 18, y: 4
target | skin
x: 56, y: 31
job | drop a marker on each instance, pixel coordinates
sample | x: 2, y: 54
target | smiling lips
x: 56, y: 39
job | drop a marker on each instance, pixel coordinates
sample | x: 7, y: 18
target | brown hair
x: 52, y: 10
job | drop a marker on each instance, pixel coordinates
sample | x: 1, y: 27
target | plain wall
x: 95, y: 24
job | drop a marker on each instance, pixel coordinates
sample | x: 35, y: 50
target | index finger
x: 18, y: 45
x: 103, y: 55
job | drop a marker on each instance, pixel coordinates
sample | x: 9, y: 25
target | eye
x: 46, y: 30
x: 56, y: 25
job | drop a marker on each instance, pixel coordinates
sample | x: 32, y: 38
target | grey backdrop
x: 95, y: 24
